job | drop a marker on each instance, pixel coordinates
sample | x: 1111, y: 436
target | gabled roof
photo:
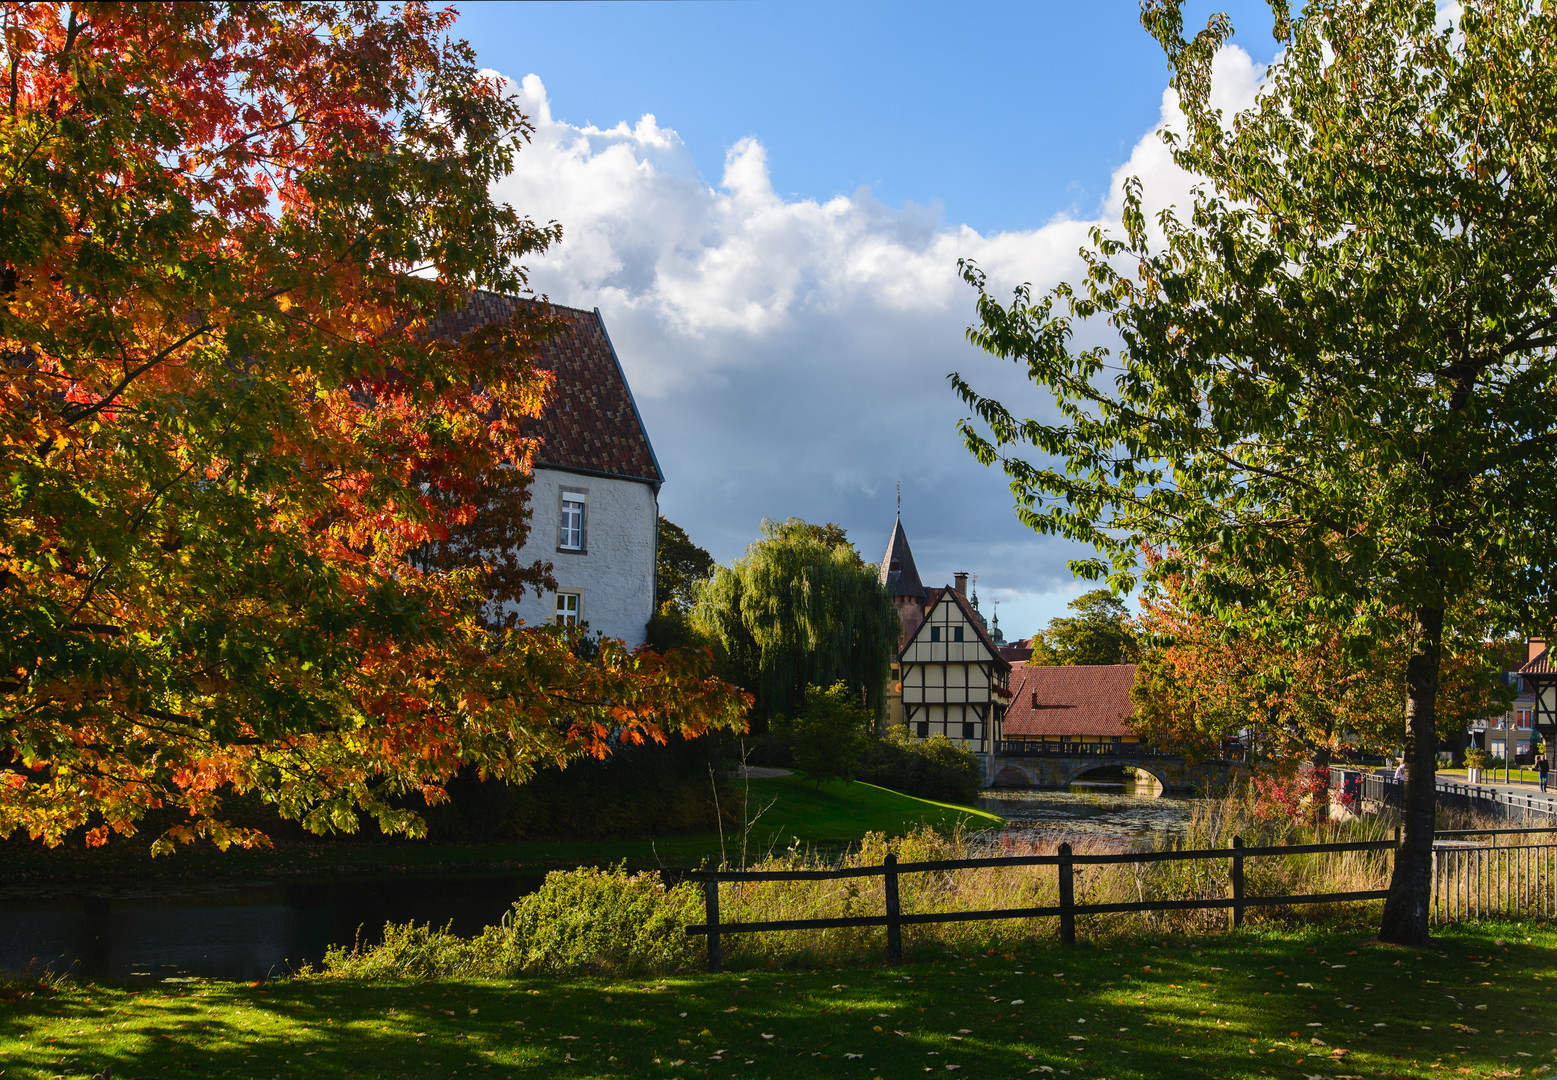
x: 969, y: 616
x: 1541, y: 664
x: 898, y: 572
x: 591, y: 424
x: 1080, y: 700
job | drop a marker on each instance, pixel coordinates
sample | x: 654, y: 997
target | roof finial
x: 900, y: 498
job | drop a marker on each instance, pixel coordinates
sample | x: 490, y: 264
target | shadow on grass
x: 1251, y: 1004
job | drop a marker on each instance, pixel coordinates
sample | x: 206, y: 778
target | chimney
x: 961, y: 580
x: 1536, y: 647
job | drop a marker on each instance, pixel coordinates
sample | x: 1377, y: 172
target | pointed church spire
x: 898, y: 572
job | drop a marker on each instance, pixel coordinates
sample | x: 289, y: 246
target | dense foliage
x: 1205, y: 682
x: 241, y: 536
x: 1099, y: 633
x: 680, y: 566
x: 800, y: 608
x: 934, y: 768
x: 1337, y: 363
x: 828, y: 736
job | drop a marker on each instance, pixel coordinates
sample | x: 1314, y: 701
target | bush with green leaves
x: 584, y: 920
x: 831, y: 732
x: 929, y: 768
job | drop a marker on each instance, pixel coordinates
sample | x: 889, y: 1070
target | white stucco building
x: 595, y: 496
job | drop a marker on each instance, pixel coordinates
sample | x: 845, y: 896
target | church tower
x: 901, y: 578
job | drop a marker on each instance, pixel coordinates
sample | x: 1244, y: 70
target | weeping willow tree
x: 800, y: 608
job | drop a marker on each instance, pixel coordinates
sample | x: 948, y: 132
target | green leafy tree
x: 679, y: 567
x: 1099, y: 633
x: 830, y: 734
x: 799, y: 608
x: 1338, y: 362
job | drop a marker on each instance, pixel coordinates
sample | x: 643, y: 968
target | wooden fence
x: 1067, y: 909
x: 1469, y: 881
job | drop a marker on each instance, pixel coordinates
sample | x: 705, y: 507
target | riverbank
x: 1478, y: 1003
x: 784, y: 811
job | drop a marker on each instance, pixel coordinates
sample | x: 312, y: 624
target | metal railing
x: 1478, y: 881
x: 1020, y: 747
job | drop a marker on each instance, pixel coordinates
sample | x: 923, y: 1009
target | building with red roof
x: 1078, y: 704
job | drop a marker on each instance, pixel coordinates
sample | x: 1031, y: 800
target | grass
x: 1478, y: 1003
x: 1495, y: 776
x: 791, y: 812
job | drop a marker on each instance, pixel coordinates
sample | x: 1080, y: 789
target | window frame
x: 557, y: 613
x: 579, y: 497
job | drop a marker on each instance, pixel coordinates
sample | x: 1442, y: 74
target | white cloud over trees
x: 790, y: 355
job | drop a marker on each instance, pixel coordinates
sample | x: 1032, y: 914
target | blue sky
x: 774, y: 252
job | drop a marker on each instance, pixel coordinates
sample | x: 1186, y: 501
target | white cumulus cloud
x: 790, y: 355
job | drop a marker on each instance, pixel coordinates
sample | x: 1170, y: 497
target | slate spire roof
x: 898, y: 572
x: 591, y: 424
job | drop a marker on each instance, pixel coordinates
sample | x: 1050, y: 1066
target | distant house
x: 948, y: 677
x: 1078, y: 704
x: 595, y: 496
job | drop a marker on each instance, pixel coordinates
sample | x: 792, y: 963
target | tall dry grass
x: 1212, y: 825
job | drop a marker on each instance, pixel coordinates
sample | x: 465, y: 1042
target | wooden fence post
x: 1237, y: 881
x: 894, y: 927
x: 711, y: 906
x: 1067, y: 898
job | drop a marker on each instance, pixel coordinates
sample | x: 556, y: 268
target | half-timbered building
x: 953, y: 677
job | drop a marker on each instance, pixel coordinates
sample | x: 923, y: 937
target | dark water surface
x: 237, y: 931
x: 1130, y: 810
x: 252, y: 930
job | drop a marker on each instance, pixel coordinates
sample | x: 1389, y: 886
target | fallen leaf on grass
x: 767, y: 1036
x: 730, y: 1009
x: 1077, y: 1038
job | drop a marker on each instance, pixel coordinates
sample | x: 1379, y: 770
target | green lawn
x: 1479, y: 1003
x: 1495, y: 776
x: 787, y: 810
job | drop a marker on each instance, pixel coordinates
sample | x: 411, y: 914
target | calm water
x: 1129, y: 810
x: 249, y: 931
x: 234, y: 932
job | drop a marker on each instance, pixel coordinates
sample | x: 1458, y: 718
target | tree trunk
x: 1411, y: 887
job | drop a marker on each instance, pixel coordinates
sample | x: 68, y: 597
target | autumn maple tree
x: 242, y: 480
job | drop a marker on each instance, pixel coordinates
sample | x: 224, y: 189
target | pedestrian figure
x: 1543, y: 769
x: 1400, y: 770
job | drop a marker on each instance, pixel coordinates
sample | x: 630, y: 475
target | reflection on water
x: 1130, y: 810
x: 238, y: 932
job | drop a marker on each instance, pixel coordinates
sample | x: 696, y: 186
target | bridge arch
x: 1078, y: 769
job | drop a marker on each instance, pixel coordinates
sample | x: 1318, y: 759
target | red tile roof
x: 1080, y: 700
x: 1540, y: 665
x: 591, y: 424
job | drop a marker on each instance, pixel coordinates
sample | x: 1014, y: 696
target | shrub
x: 829, y: 735
x: 584, y: 920
x: 603, y: 920
x: 929, y: 768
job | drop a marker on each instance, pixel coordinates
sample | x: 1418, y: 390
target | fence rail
x: 1469, y: 881
x: 1019, y: 747
x: 1067, y: 909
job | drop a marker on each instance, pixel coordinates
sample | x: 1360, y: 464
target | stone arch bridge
x: 1023, y: 763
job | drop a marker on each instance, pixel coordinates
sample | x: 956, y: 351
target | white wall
x: 616, y: 571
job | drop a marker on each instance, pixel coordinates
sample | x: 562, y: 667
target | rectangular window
x: 572, y: 520
x: 956, y: 633
x: 935, y: 633
x: 1524, y: 719
x: 967, y: 731
x: 924, y: 729
x: 568, y: 608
